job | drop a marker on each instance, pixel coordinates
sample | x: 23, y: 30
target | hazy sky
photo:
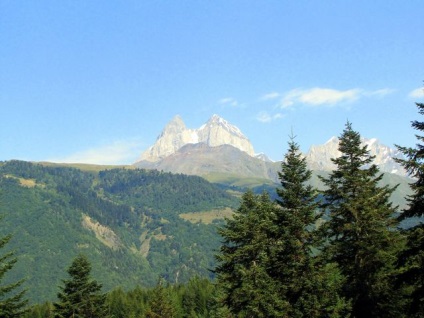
x: 96, y: 81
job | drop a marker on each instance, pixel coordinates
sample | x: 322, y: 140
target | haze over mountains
x: 218, y: 146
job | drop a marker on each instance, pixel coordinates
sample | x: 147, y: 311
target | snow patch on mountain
x: 263, y: 157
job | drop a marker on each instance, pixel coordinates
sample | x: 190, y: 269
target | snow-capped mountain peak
x: 319, y: 156
x: 216, y: 120
x: 215, y: 132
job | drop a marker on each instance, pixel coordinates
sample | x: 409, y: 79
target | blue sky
x: 96, y: 81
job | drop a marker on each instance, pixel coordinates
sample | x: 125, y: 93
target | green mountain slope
x: 131, y: 223
x: 126, y: 220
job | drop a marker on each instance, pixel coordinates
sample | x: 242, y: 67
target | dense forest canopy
x: 127, y: 220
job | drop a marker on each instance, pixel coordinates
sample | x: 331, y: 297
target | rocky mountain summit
x: 201, y: 151
x: 319, y: 157
x: 215, y: 132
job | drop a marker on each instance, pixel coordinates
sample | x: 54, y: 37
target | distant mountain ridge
x: 201, y: 151
x: 319, y: 156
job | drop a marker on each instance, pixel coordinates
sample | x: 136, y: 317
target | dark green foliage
x: 50, y: 232
x: 193, y: 299
x: 119, y: 304
x: 295, y: 221
x: 302, y: 278
x: 45, y: 310
x: 242, y: 274
x: 361, y: 233
x: 160, y: 303
x: 266, y: 266
x: 197, y: 297
x: 163, y: 191
x: 414, y: 165
x: 47, y: 216
x: 411, y: 260
x: 80, y: 296
x: 12, y: 302
x: 411, y: 277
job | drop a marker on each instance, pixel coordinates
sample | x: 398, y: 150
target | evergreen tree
x: 247, y: 288
x: 360, y: 230
x: 305, y: 284
x: 12, y: 302
x: 44, y: 310
x: 118, y: 304
x: 160, y: 304
x: 412, y: 259
x: 196, y: 296
x: 295, y: 220
x: 80, y: 297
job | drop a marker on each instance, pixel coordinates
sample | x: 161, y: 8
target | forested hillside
x: 126, y: 220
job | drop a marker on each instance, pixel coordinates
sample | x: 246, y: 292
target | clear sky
x: 96, y: 81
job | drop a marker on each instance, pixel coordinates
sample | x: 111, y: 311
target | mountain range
x: 220, y: 147
x: 140, y: 224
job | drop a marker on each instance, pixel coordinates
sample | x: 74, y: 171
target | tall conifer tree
x: 298, y: 214
x: 80, y: 297
x: 360, y: 230
x: 412, y: 259
x: 247, y: 288
x: 12, y: 302
x: 310, y: 289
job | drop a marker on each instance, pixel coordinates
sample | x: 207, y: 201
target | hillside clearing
x: 207, y: 217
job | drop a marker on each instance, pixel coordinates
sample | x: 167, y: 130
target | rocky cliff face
x: 319, y: 157
x: 215, y: 132
x: 173, y: 137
